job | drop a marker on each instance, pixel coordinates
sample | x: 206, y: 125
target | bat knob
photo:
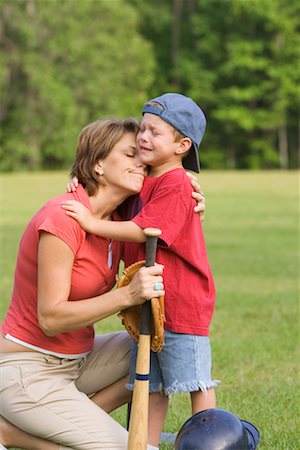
x: 152, y: 232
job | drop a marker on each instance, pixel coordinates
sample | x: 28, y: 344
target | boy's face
x: 155, y: 141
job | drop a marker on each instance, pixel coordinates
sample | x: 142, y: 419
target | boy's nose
x: 143, y: 135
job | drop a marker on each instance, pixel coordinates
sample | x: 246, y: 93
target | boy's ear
x: 184, y: 146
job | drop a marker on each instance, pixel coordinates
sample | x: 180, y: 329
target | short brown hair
x: 95, y: 142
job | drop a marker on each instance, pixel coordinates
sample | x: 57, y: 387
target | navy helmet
x: 216, y: 429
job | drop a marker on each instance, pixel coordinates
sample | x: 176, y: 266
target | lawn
x: 252, y: 231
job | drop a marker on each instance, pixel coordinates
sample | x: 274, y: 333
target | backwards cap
x: 186, y: 117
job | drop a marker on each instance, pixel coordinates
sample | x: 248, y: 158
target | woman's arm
x: 198, y: 196
x: 56, y: 314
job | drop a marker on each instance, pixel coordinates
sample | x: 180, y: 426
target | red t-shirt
x: 91, y: 276
x: 167, y: 204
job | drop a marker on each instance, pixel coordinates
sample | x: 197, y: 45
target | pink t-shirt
x: 166, y: 203
x: 94, y: 270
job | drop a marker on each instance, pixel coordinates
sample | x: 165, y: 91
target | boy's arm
x: 118, y: 231
x: 197, y: 194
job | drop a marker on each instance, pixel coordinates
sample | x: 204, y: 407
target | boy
x: 171, y: 131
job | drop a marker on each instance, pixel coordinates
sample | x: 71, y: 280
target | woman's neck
x: 105, y: 201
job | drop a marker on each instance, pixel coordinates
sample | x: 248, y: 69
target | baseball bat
x: 138, y: 425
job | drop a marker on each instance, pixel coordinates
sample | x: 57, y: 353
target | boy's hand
x: 198, y: 196
x: 80, y: 213
x: 72, y: 185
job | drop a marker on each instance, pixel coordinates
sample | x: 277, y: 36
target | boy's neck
x: 157, y: 171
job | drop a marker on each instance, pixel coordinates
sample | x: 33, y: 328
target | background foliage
x: 67, y: 62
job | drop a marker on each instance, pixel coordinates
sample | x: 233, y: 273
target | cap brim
x: 191, y: 160
x: 252, y: 434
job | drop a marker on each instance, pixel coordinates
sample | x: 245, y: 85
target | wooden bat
x: 138, y: 425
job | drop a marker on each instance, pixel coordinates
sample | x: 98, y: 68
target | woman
x: 57, y: 380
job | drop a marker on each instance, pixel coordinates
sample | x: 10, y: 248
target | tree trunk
x: 231, y: 160
x: 283, y: 146
x: 32, y: 137
x: 175, y: 39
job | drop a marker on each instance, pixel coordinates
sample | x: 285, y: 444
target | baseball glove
x: 131, y: 316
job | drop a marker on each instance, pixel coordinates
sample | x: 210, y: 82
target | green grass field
x: 251, y: 227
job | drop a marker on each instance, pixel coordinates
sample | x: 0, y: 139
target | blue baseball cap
x: 186, y: 117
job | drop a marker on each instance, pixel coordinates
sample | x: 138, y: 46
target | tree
x: 63, y: 66
x: 238, y: 60
x: 66, y: 63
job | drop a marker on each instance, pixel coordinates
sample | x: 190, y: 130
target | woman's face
x: 122, y: 168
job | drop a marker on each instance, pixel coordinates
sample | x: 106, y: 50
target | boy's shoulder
x: 175, y: 178
x: 174, y: 175
x: 173, y: 184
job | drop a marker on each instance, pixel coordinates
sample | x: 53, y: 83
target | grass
x: 251, y: 229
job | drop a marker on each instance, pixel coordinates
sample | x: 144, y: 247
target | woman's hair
x: 95, y: 142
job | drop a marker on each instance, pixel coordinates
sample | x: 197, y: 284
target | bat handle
x: 151, y: 244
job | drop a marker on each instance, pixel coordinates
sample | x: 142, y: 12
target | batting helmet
x: 216, y: 429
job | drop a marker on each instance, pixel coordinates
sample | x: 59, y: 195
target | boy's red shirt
x: 166, y: 203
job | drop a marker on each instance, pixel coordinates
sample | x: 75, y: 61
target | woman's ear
x: 184, y: 146
x: 98, y: 168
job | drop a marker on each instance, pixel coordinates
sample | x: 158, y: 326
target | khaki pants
x: 48, y: 396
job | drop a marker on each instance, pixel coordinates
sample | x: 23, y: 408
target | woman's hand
x: 198, y: 196
x: 141, y: 287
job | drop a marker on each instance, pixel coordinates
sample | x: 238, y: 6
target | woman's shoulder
x: 80, y: 195
x: 53, y: 219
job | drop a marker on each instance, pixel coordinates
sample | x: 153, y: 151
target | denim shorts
x: 183, y: 365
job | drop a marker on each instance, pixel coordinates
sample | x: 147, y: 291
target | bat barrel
x: 138, y: 425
